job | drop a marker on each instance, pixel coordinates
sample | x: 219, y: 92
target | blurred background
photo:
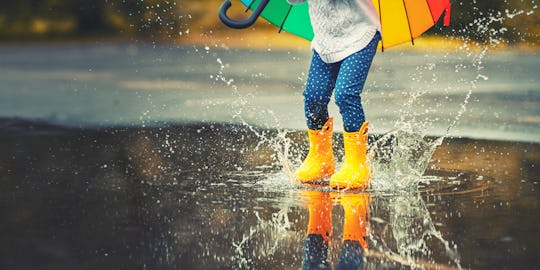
x: 117, y: 62
x: 188, y: 21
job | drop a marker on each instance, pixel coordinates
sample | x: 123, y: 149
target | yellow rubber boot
x: 319, y: 162
x: 354, y: 174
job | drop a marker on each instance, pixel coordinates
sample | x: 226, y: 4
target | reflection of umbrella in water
x: 401, y: 21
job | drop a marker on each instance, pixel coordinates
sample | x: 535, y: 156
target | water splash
x: 269, y: 238
x: 403, y: 232
x: 404, y: 153
x: 280, y: 143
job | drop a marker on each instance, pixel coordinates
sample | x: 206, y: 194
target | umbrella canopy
x: 401, y: 21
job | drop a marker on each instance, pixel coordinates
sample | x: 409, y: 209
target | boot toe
x: 313, y: 175
x: 351, y: 179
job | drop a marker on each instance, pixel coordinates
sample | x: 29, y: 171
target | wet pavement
x: 104, y: 84
x: 218, y: 196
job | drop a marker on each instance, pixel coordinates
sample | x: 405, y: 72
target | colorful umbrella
x: 401, y: 21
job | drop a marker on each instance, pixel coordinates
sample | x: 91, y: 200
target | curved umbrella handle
x: 243, y: 23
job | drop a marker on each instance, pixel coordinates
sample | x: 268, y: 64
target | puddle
x: 205, y: 196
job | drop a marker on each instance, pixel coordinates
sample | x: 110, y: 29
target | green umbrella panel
x: 291, y: 18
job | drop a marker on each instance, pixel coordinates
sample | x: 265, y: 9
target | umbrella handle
x: 243, y: 23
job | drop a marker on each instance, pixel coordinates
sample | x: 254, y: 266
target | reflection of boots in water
x: 355, y: 208
x: 319, y: 230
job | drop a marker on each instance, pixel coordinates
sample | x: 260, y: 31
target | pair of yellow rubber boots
x: 320, y: 164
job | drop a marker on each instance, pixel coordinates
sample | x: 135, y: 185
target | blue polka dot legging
x: 347, y: 79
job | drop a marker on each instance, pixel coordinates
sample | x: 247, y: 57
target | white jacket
x: 365, y: 5
x: 341, y: 27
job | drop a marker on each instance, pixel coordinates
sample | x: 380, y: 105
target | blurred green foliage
x: 68, y: 18
x: 512, y: 20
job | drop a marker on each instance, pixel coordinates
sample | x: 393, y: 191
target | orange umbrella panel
x: 405, y: 20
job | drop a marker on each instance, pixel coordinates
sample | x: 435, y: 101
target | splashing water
x: 277, y: 230
x: 404, y: 152
x: 407, y: 219
x: 279, y: 142
x: 402, y: 157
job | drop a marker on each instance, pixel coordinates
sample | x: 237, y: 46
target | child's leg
x: 319, y: 86
x: 319, y: 163
x: 355, y: 171
x: 350, y: 83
